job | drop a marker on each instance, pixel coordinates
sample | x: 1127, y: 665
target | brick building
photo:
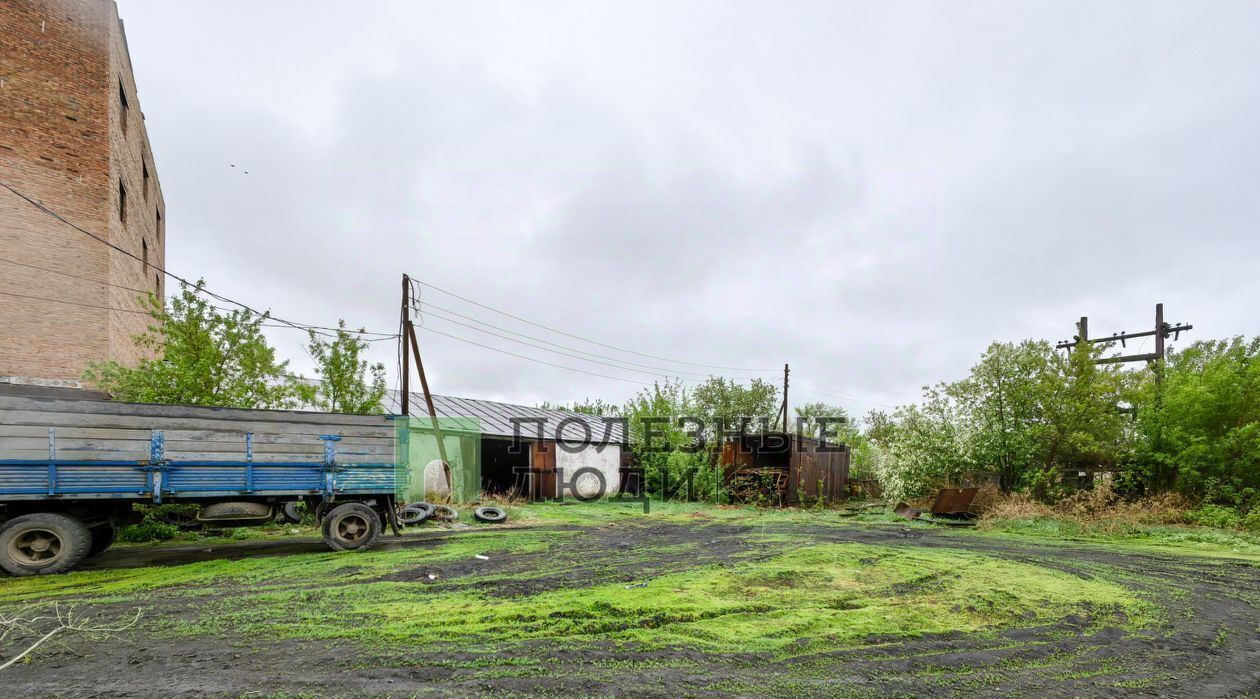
x: 72, y: 137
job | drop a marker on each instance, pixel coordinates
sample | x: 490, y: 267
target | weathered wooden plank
x: 72, y: 432
x: 87, y: 455
x: 66, y: 405
x: 138, y: 455
x: 89, y: 420
x: 312, y: 445
x: 8, y: 444
x: 267, y: 437
x: 316, y: 448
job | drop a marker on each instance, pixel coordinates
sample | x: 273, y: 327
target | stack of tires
x: 421, y: 512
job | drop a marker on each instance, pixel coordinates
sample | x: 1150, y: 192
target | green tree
x: 723, y: 405
x: 662, y: 448
x: 1002, y: 399
x: 347, y: 382
x: 596, y: 406
x: 204, y: 356
x: 1082, y: 424
x: 917, y: 448
x: 1200, y: 430
x: 807, y: 418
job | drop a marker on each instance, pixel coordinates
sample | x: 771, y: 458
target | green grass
x: 1183, y: 540
x: 776, y: 591
x: 262, y: 573
x: 807, y: 599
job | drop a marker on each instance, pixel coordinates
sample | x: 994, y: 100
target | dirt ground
x: 1210, y: 648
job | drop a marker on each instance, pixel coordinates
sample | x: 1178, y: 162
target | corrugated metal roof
x: 495, y: 418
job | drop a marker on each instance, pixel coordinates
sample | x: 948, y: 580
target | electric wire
x: 584, y: 339
x: 532, y: 359
x: 198, y: 288
x: 660, y: 371
x: 148, y: 313
x: 77, y: 276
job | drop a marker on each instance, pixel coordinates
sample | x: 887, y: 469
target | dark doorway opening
x: 502, y: 472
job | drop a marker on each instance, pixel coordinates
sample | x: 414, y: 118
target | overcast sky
x: 870, y: 191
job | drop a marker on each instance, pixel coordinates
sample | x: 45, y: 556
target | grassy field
x: 688, y: 600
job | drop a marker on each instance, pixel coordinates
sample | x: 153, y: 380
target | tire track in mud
x: 1209, y: 647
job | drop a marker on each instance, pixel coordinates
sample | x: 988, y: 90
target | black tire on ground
x: 492, y: 515
x: 103, y: 536
x: 290, y: 512
x: 43, y: 543
x: 428, y: 508
x: 444, y: 513
x: 351, y: 526
x: 411, y: 515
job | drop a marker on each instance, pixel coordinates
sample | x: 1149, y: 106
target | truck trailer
x: 73, y: 470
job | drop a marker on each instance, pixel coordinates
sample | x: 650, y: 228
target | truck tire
x: 490, y: 515
x: 291, y: 513
x: 103, y: 536
x: 351, y: 526
x: 43, y: 543
x: 411, y: 515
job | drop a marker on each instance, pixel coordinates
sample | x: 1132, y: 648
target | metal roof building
x: 566, y: 453
x: 495, y: 419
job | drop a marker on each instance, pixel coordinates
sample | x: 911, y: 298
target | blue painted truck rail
x: 158, y: 478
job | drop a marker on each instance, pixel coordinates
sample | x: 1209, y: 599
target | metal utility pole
x: 1161, y: 332
x: 408, y: 340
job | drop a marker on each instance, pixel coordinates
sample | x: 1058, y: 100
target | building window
x: 122, y: 201
x: 158, y: 227
x: 144, y: 251
x: 144, y: 172
x: 157, y: 284
x: 122, y: 106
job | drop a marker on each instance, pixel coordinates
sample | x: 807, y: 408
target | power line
x: 77, y: 276
x: 839, y: 393
x: 426, y: 305
x: 198, y: 288
x: 848, y: 398
x: 583, y: 339
x: 532, y: 359
x: 148, y: 313
x: 660, y: 371
x: 74, y: 303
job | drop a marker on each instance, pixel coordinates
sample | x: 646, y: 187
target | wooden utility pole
x: 403, y: 321
x: 1161, y: 332
x: 409, y: 341
x: 783, y: 410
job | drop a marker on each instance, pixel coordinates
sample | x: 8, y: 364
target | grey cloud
x: 871, y: 192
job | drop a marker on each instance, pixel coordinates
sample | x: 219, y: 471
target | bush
x: 147, y: 531
x: 160, y: 523
x: 1218, y: 516
x: 1251, y: 522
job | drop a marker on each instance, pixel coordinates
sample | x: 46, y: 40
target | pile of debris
x: 952, y: 508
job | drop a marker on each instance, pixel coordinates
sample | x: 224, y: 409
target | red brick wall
x: 61, y: 144
x: 129, y: 155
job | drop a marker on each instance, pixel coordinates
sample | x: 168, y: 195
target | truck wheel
x: 351, y: 526
x: 103, y: 536
x: 291, y: 513
x: 43, y: 543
